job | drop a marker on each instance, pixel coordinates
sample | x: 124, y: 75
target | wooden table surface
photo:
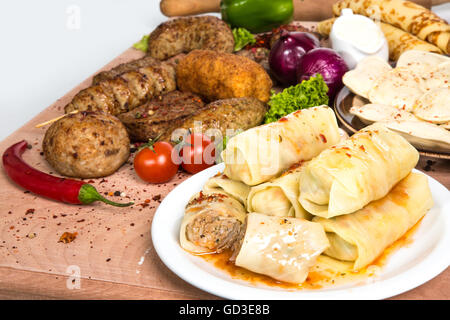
x: 113, y: 251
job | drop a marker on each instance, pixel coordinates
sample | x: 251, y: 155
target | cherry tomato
x: 197, y: 153
x: 154, y: 163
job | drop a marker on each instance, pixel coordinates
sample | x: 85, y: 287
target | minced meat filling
x: 213, y: 231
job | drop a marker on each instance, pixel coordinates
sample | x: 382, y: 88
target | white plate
x: 409, y: 267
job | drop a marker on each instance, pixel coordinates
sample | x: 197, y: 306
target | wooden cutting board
x: 113, y: 251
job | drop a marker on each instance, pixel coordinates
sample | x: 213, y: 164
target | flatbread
x: 434, y: 106
x: 438, y: 77
x: 420, y: 61
x: 421, y: 134
x: 399, y: 88
x: 361, y: 79
x: 371, y: 113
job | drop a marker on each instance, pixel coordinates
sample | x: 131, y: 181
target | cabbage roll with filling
x: 279, y: 196
x: 282, y: 248
x: 220, y: 183
x: 261, y: 153
x: 212, y: 222
x: 362, y: 236
x: 361, y: 169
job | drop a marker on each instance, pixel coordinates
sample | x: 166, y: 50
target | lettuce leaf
x: 142, y: 44
x: 242, y: 37
x: 308, y: 93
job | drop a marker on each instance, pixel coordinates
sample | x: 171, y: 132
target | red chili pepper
x: 56, y: 188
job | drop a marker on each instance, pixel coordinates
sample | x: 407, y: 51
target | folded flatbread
x: 211, y: 223
x: 361, y: 79
x: 438, y: 77
x: 279, y: 196
x: 406, y: 15
x: 361, y: 169
x: 398, y: 87
x: 263, y: 152
x: 434, y: 106
x: 370, y: 113
x: 362, y: 236
x: 422, y: 134
x: 421, y: 62
x: 282, y: 248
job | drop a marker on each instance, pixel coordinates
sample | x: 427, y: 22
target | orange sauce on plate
x: 315, y: 280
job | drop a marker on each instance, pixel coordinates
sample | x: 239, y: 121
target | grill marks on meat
x: 185, y: 34
x: 226, y: 116
x: 125, y: 87
x: 213, y: 231
x: 125, y: 67
x: 161, y: 114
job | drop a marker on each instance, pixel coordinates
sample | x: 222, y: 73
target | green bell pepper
x: 257, y: 15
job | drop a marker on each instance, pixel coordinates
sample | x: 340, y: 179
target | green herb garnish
x: 242, y: 37
x: 308, y: 93
x: 142, y: 44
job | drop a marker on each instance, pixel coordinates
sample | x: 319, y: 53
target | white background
x: 44, y: 54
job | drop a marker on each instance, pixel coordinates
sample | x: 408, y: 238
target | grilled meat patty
x: 161, y: 114
x: 182, y: 35
x: 135, y: 65
x: 116, y: 92
x: 216, y: 75
x: 223, y: 115
x: 86, y: 145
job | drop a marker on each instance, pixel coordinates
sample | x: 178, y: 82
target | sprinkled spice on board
x: 68, y: 237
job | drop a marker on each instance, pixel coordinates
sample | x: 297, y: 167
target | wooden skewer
x: 55, y: 119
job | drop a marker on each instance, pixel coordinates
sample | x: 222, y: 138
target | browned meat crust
x: 86, y: 145
x: 215, y: 75
x: 188, y: 33
x: 135, y: 65
x: 259, y: 55
x: 161, y: 114
x: 226, y: 116
x: 116, y: 92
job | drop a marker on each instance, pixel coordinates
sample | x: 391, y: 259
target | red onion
x: 328, y: 63
x: 286, y: 53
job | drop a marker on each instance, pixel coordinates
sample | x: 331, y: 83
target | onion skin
x: 286, y: 53
x: 328, y: 63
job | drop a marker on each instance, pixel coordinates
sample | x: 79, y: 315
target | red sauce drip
x: 315, y: 280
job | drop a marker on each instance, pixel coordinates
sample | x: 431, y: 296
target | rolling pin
x: 304, y: 10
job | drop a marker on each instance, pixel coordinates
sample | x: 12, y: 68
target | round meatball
x: 86, y: 145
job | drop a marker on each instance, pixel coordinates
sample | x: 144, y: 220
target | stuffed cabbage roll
x: 361, y: 169
x: 211, y: 223
x: 279, y: 196
x: 362, y: 236
x: 263, y: 152
x: 220, y: 183
x: 282, y: 248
